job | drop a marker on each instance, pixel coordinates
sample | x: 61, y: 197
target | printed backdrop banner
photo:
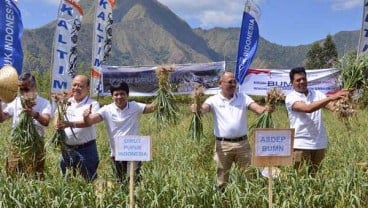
x: 259, y: 81
x: 142, y: 81
x: 65, y: 45
x: 363, y: 39
x: 11, y: 31
x: 102, y: 41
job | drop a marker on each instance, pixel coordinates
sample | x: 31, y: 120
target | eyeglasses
x: 231, y: 82
x: 79, y: 86
x: 24, y: 89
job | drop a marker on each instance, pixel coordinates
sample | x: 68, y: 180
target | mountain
x: 146, y: 32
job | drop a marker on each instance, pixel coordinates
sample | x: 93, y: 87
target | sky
x: 284, y: 22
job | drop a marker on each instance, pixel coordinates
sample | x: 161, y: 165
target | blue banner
x: 247, y: 48
x: 11, y: 30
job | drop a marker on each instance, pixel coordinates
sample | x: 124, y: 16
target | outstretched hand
x: 60, y: 125
x: 270, y: 108
x: 194, y: 108
x: 87, y: 112
x: 30, y: 112
x: 340, y: 94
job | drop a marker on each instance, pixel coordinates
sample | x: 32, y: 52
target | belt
x: 80, y: 146
x: 236, y: 139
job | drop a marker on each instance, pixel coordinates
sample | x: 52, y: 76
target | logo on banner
x: 102, y: 41
x: 248, y: 43
x: 65, y: 45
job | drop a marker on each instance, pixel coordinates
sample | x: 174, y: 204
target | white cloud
x: 345, y: 4
x: 208, y: 13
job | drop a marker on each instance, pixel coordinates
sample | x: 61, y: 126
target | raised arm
x: 91, y: 119
x: 205, y: 108
x: 316, y: 105
x: 256, y: 108
x: 150, y: 108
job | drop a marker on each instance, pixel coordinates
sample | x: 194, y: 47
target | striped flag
x: 65, y: 45
x: 363, y: 39
x: 248, y: 41
x: 102, y: 41
x: 11, y: 31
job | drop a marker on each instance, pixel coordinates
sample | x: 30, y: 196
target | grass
x: 182, y: 173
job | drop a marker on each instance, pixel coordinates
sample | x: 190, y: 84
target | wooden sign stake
x: 270, y: 186
x: 131, y: 184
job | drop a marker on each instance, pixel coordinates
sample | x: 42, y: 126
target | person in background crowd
x: 229, y: 110
x: 304, y: 111
x: 121, y: 118
x: 81, y: 155
x: 41, y: 114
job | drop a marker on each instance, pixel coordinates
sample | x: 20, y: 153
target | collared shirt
x: 121, y: 121
x: 74, y: 113
x: 42, y: 106
x: 310, y: 132
x: 230, y: 116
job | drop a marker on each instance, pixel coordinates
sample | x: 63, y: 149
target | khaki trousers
x: 227, y: 153
x: 312, y: 158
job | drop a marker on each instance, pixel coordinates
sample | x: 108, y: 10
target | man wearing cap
x: 82, y: 155
x: 229, y: 110
x: 41, y: 114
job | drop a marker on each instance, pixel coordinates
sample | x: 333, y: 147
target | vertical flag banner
x: 102, y: 41
x: 248, y: 40
x: 363, y: 39
x: 65, y: 45
x: 11, y: 31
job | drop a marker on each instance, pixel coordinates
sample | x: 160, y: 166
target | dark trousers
x: 121, y: 170
x: 84, y: 160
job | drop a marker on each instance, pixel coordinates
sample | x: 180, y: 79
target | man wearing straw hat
x: 40, y: 113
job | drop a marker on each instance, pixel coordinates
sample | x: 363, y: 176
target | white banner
x: 142, y: 80
x: 65, y: 45
x: 363, y: 39
x: 259, y: 81
x: 102, y: 41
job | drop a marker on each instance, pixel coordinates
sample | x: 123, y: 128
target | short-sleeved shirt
x: 42, y: 106
x: 310, y: 132
x: 74, y: 113
x: 230, y: 116
x: 3, y: 105
x: 121, y: 121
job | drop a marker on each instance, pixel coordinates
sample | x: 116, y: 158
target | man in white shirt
x: 304, y: 110
x: 121, y: 118
x: 41, y: 114
x: 82, y: 155
x: 229, y: 110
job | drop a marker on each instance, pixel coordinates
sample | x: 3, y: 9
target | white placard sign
x: 132, y: 148
x: 273, y: 143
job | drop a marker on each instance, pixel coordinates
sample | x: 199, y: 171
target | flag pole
x: 53, y: 104
x: 359, y: 49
